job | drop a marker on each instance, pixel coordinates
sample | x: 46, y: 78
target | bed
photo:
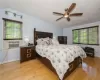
x: 72, y: 65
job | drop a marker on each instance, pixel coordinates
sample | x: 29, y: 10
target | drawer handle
x: 28, y: 50
x: 28, y: 55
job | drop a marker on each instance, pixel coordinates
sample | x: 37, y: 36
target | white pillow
x: 40, y: 41
x: 54, y: 42
x: 43, y: 41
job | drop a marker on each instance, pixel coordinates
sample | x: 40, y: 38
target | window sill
x: 13, y: 39
x: 87, y: 44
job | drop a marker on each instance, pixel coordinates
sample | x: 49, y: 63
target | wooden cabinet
x: 27, y: 53
x: 62, y: 39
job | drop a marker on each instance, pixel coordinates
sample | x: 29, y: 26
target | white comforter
x: 60, y: 56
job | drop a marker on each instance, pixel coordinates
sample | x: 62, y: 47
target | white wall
x: 68, y: 32
x: 29, y: 23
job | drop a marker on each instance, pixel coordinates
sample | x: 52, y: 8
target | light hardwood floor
x: 35, y: 70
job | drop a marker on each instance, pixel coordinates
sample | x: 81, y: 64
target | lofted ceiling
x: 44, y: 8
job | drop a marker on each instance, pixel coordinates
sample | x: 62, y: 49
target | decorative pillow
x: 46, y: 40
x: 40, y: 41
x: 43, y: 41
x: 54, y: 42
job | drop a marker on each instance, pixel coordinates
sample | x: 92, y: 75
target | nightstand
x: 27, y: 53
x: 89, y: 51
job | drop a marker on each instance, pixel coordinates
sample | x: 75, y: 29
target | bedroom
x: 30, y: 14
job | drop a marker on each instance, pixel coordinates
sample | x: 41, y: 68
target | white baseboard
x: 9, y: 61
x: 97, y: 56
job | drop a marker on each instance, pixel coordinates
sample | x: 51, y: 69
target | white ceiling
x: 44, y: 8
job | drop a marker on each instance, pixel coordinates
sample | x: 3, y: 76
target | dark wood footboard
x: 73, y: 65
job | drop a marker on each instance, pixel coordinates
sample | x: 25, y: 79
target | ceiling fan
x: 67, y: 13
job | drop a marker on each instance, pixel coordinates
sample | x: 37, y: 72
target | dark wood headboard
x: 40, y: 34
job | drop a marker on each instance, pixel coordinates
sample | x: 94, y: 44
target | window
x: 86, y: 36
x: 75, y: 35
x: 12, y: 30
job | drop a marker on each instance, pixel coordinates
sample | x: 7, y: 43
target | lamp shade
x: 26, y: 39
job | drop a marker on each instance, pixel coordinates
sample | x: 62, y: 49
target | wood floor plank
x: 35, y: 70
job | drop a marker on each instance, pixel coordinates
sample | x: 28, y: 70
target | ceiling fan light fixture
x: 66, y: 16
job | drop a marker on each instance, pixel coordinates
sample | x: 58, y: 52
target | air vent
x: 13, y: 44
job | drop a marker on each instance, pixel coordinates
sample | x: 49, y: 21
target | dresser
x: 62, y: 39
x: 27, y: 53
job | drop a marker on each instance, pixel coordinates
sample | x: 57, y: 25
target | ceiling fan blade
x: 57, y: 13
x: 68, y: 19
x: 71, y: 7
x: 59, y: 19
x: 66, y: 11
x: 76, y: 14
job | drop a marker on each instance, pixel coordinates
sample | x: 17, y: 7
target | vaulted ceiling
x: 44, y: 8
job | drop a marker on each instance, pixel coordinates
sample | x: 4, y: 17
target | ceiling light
x: 66, y: 16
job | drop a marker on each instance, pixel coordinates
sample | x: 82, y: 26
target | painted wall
x: 29, y: 23
x: 68, y: 32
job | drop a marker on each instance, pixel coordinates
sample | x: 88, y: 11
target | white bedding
x: 60, y: 56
